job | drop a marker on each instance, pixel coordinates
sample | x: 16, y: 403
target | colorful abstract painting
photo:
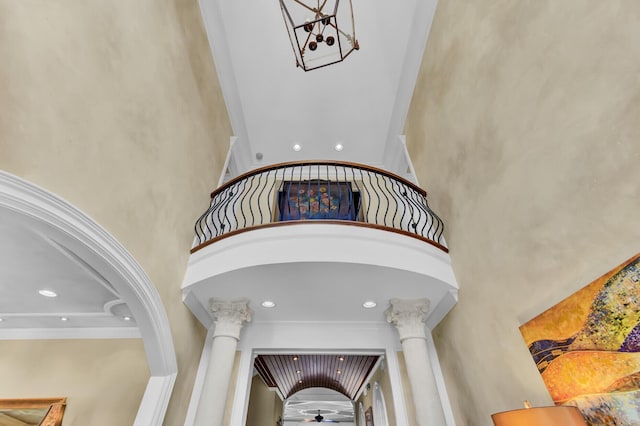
x: 587, y: 348
x: 317, y: 199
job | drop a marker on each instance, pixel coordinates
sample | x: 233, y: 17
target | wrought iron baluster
x: 238, y: 200
x: 399, y: 195
x: 372, y: 195
x: 385, y: 179
x: 360, y: 207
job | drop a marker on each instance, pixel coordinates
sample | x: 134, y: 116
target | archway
x: 94, y: 247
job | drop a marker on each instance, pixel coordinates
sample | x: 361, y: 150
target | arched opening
x: 62, y: 229
x: 318, y: 405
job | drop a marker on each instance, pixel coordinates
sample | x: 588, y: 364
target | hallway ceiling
x: 360, y: 103
x: 305, y: 405
x: 291, y: 373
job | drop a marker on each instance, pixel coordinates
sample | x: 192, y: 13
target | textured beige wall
x: 103, y: 380
x: 115, y: 107
x: 525, y: 130
x: 382, y: 377
x: 265, y: 406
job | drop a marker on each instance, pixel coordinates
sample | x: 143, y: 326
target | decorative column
x: 409, y: 317
x: 229, y: 317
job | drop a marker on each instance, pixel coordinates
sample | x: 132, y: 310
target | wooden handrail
x: 317, y: 163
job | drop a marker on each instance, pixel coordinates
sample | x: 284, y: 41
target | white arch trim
x: 361, y: 419
x: 104, y: 253
x: 379, y: 406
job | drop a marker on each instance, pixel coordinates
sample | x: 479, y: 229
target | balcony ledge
x: 319, y: 271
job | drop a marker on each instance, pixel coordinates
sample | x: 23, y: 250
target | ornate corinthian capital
x: 229, y: 316
x: 409, y: 317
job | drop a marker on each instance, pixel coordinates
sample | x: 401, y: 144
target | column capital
x: 409, y: 317
x: 229, y: 316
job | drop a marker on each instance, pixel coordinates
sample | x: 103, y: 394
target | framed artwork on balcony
x: 317, y: 199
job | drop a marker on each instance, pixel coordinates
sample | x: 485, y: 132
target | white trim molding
x: 62, y: 222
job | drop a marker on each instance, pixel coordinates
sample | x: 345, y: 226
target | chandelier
x: 321, y: 32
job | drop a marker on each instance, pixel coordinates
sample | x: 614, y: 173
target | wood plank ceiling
x: 291, y: 373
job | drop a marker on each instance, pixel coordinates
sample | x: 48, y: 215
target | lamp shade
x: 540, y: 416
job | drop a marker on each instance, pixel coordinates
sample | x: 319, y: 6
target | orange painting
x: 587, y: 348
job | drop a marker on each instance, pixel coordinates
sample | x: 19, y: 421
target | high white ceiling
x: 360, y: 103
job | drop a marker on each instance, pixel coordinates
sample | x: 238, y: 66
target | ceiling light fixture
x: 341, y: 358
x: 369, y: 304
x: 297, y: 147
x: 316, y: 38
x: 47, y: 293
x: 295, y: 357
x: 268, y: 304
x: 126, y: 318
x: 64, y: 319
x: 338, y: 147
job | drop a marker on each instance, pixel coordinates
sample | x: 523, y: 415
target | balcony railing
x: 319, y: 192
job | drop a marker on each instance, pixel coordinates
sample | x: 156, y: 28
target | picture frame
x: 368, y: 416
x: 36, y: 411
x: 317, y: 199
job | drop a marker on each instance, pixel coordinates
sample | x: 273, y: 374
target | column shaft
x: 229, y: 317
x: 423, y: 383
x: 409, y: 317
x: 213, y: 398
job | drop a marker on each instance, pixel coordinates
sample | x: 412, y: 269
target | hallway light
x: 369, y: 304
x: 47, y: 293
x: 268, y: 304
x: 321, y: 32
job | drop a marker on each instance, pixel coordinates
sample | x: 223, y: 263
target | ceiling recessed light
x: 369, y: 304
x: 47, y: 293
x: 339, y: 372
x: 338, y: 147
x: 297, y: 147
x: 341, y: 358
x: 268, y: 304
x: 64, y: 319
x: 295, y: 357
x: 299, y: 381
x: 126, y: 318
x: 299, y: 371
